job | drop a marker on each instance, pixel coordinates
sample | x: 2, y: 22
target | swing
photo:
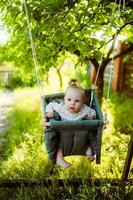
x: 74, y: 136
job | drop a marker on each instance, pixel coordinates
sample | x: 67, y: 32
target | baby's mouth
x: 72, y: 109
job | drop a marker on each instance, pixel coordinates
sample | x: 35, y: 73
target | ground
x: 6, y: 102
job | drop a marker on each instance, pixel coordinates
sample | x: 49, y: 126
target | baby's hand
x: 45, y: 123
x: 49, y: 115
x: 91, y: 116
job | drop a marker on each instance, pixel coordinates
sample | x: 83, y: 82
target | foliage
x: 76, y: 29
x: 60, y: 26
x: 123, y: 113
x: 21, y: 79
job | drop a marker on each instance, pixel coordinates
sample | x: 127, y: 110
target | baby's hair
x: 74, y: 83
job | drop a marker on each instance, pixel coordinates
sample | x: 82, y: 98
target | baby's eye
x: 68, y: 99
x: 77, y: 101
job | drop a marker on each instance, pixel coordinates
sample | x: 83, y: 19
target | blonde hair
x: 74, y: 84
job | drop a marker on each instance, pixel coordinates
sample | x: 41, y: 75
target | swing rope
x: 100, y: 63
x: 112, y: 62
x: 34, y: 56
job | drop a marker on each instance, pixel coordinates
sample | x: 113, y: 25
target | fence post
x: 118, y: 70
x: 128, y: 161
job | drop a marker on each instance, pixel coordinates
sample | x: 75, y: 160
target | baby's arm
x: 91, y: 114
x: 49, y: 112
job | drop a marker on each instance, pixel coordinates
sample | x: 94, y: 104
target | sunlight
x: 67, y: 72
x: 4, y: 36
x: 99, y: 34
x: 19, y: 154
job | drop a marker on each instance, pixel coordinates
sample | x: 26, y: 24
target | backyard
x: 24, y: 157
x: 43, y: 45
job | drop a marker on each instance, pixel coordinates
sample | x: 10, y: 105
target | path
x: 6, y: 102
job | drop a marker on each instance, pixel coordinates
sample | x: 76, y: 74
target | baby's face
x: 73, y: 101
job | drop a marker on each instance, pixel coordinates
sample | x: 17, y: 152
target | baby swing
x: 74, y: 135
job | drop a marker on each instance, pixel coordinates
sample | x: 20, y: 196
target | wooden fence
x: 128, y: 78
x: 123, y: 73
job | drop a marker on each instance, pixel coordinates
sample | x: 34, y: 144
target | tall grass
x: 24, y: 155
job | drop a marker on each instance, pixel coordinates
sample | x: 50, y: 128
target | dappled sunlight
x: 57, y: 80
x: 53, y: 81
x: 27, y: 157
x: 44, y: 45
x: 26, y: 97
x: 80, y: 168
x: 25, y: 161
x: 110, y: 117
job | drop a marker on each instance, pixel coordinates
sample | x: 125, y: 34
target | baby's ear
x: 84, y: 98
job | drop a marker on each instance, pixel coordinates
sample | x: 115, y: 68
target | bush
x: 123, y: 113
x: 21, y: 79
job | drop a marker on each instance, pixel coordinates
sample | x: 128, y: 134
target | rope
x: 34, y: 56
x: 110, y: 77
x: 112, y: 61
x: 100, y: 63
x: 124, y: 2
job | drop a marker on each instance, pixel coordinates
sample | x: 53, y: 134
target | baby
x: 72, y: 109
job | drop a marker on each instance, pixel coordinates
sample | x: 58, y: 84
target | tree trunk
x: 100, y: 79
x: 100, y: 85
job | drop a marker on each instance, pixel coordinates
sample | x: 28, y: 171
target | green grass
x: 24, y: 155
x: 68, y: 193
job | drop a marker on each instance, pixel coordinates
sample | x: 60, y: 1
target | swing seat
x: 74, y: 136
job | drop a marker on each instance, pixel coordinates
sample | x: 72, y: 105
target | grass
x: 24, y: 155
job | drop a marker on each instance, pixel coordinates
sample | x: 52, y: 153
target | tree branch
x: 94, y: 62
x: 127, y: 3
x: 118, y: 31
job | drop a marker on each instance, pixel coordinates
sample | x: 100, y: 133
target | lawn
x: 24, y: 155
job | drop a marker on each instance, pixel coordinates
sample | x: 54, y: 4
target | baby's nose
x: 73, y: 103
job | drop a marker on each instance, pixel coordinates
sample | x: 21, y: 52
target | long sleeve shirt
x: 60, y: 108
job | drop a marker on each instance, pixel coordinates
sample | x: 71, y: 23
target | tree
x: 72, y: 25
